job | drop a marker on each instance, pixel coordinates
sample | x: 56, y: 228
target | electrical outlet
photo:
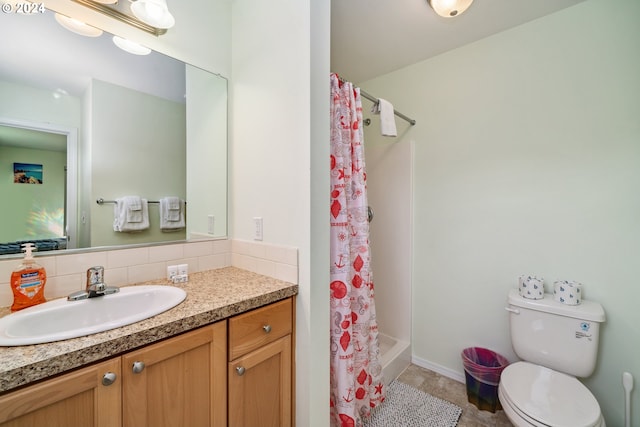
x: 210, y: 223
x: 183, y: 269
x: 257, y: 232
x: 172, y: 271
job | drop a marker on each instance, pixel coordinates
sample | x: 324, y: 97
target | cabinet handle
x: 240, y: 370
x: 138, y: 367
x: 109, y: 378
x: 267, y: 328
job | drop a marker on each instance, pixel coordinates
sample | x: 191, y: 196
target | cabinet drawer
x: 258, y: 327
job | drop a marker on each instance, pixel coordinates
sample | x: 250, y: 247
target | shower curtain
x: 356, y: 372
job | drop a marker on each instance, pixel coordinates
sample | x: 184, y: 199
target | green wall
x: 137, y: 148
x: 36, y: 210
x: 527, y: 161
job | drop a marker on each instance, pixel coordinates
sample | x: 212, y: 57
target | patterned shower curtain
x: 356, y: 372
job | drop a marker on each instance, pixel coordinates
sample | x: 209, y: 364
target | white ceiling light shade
x: 78, y: 27
x: 450, y: 8
x: 131, y: 47
x: 153, y: 12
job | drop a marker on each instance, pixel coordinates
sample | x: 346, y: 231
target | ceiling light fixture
x: 122, y: 11
x: 131, y: 47
x: 450, y: 8
x: 153, y: 12
x: 77, y: 27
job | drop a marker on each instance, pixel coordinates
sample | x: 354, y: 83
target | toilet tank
x: 559, y: 336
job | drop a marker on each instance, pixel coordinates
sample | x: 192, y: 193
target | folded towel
x: 387, y: 117
x: 171, y: 214
x: 133, y: 206
x: 171, y: 210
x: 128, y: 220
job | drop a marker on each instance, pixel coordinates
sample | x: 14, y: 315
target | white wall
x: 526, y: 161
x: 272, y: 166
x: 389, y: 185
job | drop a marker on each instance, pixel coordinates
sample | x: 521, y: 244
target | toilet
x: 557, y: 343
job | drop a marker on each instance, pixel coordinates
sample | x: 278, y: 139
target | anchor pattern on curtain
x: 356, y: 372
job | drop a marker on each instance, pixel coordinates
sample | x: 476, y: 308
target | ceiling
x: 18, y: 137
x: 370, y: 38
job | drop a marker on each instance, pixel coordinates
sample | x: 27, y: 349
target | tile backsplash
x: 66, y: 273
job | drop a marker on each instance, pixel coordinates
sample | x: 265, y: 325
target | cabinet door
x: 177, y: 382
x: 260, y: 387
x: 79, y: 398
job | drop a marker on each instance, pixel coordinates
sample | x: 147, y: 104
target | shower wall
x: 389, y: 189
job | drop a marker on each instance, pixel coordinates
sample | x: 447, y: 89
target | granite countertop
x: 211, y: 296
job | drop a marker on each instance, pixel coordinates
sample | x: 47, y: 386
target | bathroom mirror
x: 122, y: 124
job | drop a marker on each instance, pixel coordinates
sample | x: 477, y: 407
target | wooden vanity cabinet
x: 181, y: 381
x: 86, y: 397
x: 260, y: 367
x: 177, y: 382
x: 199, y: 378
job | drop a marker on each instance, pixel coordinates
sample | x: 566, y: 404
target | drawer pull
x: 267, y: 328
x: 109, y: 378
x: 240, y: 370
x: 138, y: 367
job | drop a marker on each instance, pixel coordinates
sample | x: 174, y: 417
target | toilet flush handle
x: 513, y: 310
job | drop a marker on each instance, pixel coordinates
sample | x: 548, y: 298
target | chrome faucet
x: 95, y: 286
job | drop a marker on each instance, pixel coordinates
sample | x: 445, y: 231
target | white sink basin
x: 61, y: 319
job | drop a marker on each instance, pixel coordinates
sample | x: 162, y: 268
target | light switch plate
x: 257, y: 232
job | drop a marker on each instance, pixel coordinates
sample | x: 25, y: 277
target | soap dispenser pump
x: 27, y: 281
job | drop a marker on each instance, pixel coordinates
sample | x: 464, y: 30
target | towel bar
x: 102, y: 201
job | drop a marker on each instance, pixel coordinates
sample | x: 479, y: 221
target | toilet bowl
x: 532, y: 395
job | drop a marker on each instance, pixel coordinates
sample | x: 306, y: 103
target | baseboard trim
x: 449, y: 373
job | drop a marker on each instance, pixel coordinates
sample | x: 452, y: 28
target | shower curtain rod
x: 375, y: 101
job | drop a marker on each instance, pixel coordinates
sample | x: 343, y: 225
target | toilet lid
x: 549, y: 397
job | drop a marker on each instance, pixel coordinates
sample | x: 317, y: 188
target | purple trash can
x: 482, y: 369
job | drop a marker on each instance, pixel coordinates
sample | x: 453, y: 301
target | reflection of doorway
x: 47, y: 137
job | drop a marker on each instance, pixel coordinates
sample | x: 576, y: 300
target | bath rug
x: 409, y: 407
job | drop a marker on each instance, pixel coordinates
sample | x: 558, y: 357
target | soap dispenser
x: 27, y: 281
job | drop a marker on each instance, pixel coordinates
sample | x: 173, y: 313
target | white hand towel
x: 121, y: 214
x: 387, y: 117
x: 171, y: 209
x: 172, y: 219
x: 133, y: 206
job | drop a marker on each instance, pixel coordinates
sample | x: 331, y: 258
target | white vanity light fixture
x: 450, y: 8
x: 131, y: 47
x: 153, y: 12
x: 77, y: 26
